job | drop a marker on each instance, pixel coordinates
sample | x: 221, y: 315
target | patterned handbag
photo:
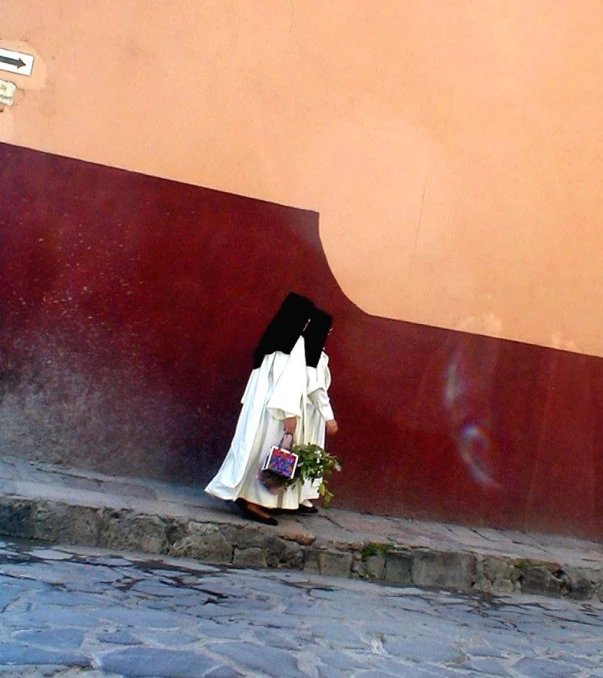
x: 281, y: 461
x: 278, y: 467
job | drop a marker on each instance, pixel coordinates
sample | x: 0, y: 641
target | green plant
x: 375, y: 549
x: 315, y: 463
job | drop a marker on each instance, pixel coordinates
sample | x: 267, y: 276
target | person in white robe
x: 271, y: 406
x: 319, y: 418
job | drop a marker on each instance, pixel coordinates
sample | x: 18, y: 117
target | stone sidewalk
x: 68, y: 506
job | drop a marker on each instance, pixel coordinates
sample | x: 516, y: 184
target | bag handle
x: 281, y: 443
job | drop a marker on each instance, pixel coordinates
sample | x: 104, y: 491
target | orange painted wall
x: 452, y: 147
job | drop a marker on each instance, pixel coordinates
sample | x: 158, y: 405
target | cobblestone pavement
x: 75, y: 611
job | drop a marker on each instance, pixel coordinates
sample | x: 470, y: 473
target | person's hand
x: 290, y: 425
x: 331, y: 427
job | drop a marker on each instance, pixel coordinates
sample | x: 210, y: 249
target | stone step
x: 60, y: 505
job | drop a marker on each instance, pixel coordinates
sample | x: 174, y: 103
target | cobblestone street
x: 80, y: 612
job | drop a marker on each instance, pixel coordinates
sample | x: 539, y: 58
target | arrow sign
x: 16, y: 62
x: 19, y: 63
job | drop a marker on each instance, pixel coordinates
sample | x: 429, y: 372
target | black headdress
x: 285, y: 328
x: 315, y: 335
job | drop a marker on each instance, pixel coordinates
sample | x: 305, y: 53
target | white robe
x: 318, y: 411
x: 274, y: 392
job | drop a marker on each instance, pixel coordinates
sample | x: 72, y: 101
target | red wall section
x: 129, y: 307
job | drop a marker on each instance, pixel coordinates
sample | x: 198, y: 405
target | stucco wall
x: 130, y: 308
x: 449, y: 153
x: 451, y: 147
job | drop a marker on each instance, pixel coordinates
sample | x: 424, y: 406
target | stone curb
x: 255, y: 546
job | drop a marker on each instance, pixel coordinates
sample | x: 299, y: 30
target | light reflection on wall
x: 467, y: 389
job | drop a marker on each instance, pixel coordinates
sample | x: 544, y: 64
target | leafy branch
x: 315, y: 463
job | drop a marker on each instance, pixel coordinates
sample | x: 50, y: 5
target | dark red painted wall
x: 129, y: 307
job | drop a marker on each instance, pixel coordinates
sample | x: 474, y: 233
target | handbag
x: 279, y: 467
x: 281, y: 461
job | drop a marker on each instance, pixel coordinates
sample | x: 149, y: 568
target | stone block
x: 252, y: 557
x: 125, y: 530
x: 454, y: 571
x: 335, y: 563
x: 253, y: 536
x: 66, y: 524
x: 244, y: 537
x: 581, y: 589
x: 359, y: 567
x: 375, y: 567
x: 595, y: 576
x: 498, y: 568
x: 202, y: 541
x: 495, y: 575
x: 539, y: 580
x: 277, y: 549
x: 303, y: 538
x: 504, y: 586
x: 398, y: 567
x: 578, y: 584
x: 311, y: 561
x: 16, y: 518
x: 291, y: 557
